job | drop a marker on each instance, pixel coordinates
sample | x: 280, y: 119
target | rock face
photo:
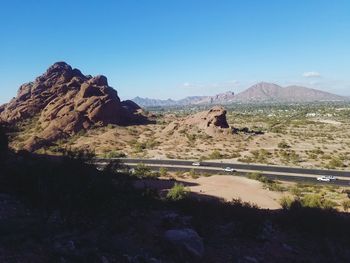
x: 66, y: 102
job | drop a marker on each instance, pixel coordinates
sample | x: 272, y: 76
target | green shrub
x: 163, y: 171
x: 317, y: 201
x: 177, y: 192
x: 286, y: 202
x: 143, y: 171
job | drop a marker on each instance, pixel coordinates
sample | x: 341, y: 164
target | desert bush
x: 215, y: 155
x: 268, y: 183
x: 114, y: 154
x: 193, y: 174
x: 143, y: 171
x: 317, y: 201
x: 286, y: 202
x: 163, y: 171
x: 177, y: 192
x: 283, y: 145
x: 346, y: 205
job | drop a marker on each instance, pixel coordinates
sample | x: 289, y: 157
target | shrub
x: 143, y: 171
x: 283, y: 145
x: 215, y: 155
x: 346, y: 205
x: 177, y: 192
x: 115, y: 154
x: 286, y: 202
x: 163, y: 171
x: 317, y: 201
x: 193, y: 174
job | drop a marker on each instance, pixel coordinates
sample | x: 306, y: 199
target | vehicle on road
x: 196, y: 164
x: 331, y: 177
x: 323, y: 179
x: 229, y: 169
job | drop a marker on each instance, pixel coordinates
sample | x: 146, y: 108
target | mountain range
x: 262, y: 92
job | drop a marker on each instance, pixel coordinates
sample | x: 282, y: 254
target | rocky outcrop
x: 211, y: 121
x: 66, y: 102
x: 215, y: 117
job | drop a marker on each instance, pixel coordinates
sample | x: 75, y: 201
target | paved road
x: 273, y: 172
x: 239, y: 166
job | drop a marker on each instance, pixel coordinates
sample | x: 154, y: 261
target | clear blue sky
x: 176, y: 48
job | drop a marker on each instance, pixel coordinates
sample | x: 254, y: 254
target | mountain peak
x: 270, y: 92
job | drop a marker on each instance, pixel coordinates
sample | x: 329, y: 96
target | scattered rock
x: 251, y: 259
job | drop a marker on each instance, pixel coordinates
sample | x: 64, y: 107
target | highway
x: 273, y: 172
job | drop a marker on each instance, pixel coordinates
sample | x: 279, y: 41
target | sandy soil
x: 223, y: 186
x: 233, y: 187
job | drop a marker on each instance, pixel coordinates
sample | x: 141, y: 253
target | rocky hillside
x: 269, y: 92
x: 65, y: 102
x: 223, y: 98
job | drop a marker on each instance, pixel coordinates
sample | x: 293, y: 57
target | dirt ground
x: 225, y: 187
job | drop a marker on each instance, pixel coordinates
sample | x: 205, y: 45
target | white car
x: 229, y: 169
x: 196, y: 164
x: 331, y: 177
x: 323, y: 179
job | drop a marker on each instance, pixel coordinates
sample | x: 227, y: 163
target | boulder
x: 186, y: 242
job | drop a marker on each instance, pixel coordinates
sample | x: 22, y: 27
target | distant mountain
x: 223, y: 98
x: 269, y: 92
x: 147, y: 102
x: 260, y: 92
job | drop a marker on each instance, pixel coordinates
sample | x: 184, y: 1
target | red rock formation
x: 210, y: 121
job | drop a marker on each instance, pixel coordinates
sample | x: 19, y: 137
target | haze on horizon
x: 173, y: 49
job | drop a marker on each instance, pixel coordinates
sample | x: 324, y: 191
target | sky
x: 177, y: 48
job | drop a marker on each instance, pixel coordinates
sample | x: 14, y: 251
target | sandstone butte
x: 212, y: 122
x: 65, y: 102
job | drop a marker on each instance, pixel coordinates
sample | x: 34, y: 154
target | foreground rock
x: 186, y: 243
x: 66, y: 101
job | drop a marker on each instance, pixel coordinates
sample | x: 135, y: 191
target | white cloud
x: 311, y: 74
